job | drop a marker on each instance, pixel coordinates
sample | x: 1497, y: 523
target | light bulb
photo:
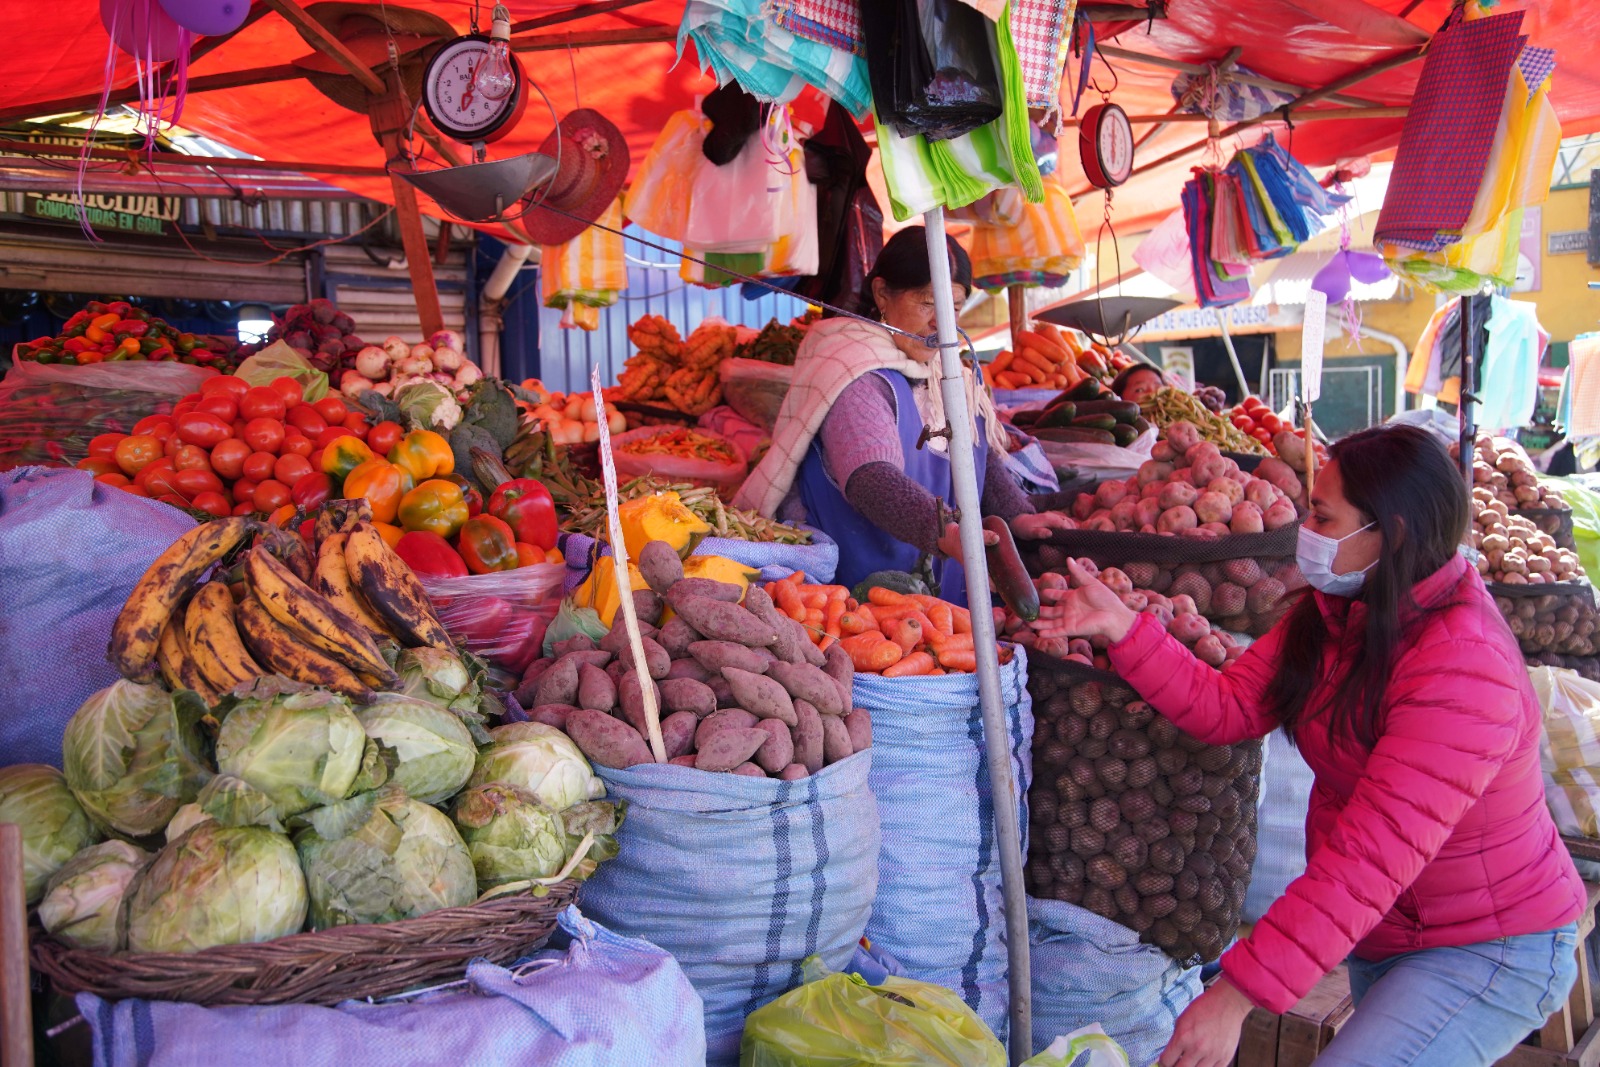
x: 496, y: 78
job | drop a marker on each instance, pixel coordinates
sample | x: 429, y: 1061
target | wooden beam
x: 419, y: 262
x: 323, y: 40
x: 16, y: 994
x: 232, y: 79
x: 551, y: 42
x: 1127, y: 54
x: 573, y: 15
x: 1321, y: 114
x: 264, y: 166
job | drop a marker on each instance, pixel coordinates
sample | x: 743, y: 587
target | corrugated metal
x: 565, y: 356
x: 68, y: 264
x: 379, y: 297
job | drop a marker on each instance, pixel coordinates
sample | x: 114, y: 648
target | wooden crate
x: 1295, y: 1038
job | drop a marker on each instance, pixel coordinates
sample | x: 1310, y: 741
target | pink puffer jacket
x: 1438, y: 836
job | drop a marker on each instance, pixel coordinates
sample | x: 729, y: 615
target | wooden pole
x: 573, y: 15
x: 1017, y: 308
x: 16, y: 1006
x: 389, y: 117
x: 322, y: 39
x: 232, y: 79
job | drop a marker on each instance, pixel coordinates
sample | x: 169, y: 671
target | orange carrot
x: 871, y: 652
x: 940, y: 616
x: 798, y: 578
x: 832, y: 615
x: 935, y: 673
x: 961, y: 620
x: 852, y: 623
x: 886, y: 597
x: 907, y: 633
x: 942, y: 643
x: 813, y: 620
x: 825, y: 641
x: 914, y: 664
x: 787, y: 597
x: 959, y: 660
x: 869, y: 616
x: 814, y: 599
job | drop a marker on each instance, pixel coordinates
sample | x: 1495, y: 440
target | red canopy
x: 1308, y: 43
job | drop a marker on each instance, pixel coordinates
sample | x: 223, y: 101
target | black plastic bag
x: 932, y: 66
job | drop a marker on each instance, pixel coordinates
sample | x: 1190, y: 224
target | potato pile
x: 739, y: 686
x: 1563, y: 624
x: 1188, y: 488
x: 1504, y: 468
x: 1179, y: 613
x: 1512, y: 550
x: 1134, y: 820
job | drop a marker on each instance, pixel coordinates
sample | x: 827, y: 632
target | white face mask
x: 1315, y: 554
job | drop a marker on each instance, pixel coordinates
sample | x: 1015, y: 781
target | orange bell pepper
x: 435, y: 505
x: 343, y: 455
x: 382, y: 483
x: 487, y: 544
x: 423, y: 454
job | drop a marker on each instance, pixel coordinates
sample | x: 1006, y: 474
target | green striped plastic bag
x: 738, y: 42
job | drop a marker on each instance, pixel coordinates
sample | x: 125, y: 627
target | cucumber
x: 1025, y: 419
x: 897, y: 581
x: 1060, y: 416
x: 1125, y: 434
x: 1121, y: 410
x: 1075, y: 436
x: 1141, y: 424
x: 1006, y: 572
x: 1094, y: 422
x: 1088, y: 389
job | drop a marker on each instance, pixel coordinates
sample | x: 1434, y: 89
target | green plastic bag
x: 278, y: 360
x: 838, y: 1020
x: 1090, y: 1042
x: 572, y: 621
x: 1585, y: 505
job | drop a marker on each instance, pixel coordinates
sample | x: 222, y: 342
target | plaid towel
x: 1584, y: 352
x: 1444, y: 146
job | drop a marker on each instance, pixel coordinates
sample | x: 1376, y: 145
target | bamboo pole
x: 16, y: 997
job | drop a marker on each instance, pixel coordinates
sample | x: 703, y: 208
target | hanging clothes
x: 1511, y: 358
x: 1584, y: 356
x: 1424, y: 358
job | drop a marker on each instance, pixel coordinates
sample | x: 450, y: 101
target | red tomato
x: 316, y: 460
x: 290, y: 469
x: 382, y: 438
x: 333, y: 433
x: 157, y: 479
x: 191, y: 458
x: 244, y: 492
x: 202, y: 428
x: 170, y: 445
x: 304, y: 418
x: 104, y: 445
x: 246, y: 508
x: 271, y: 495
x: 174, y: 499
x: 1271, y: 423
x: 150, y: 422
x: 135, y: 490
x: 227, y: 457
x: 225, y: 408
x: 333, y: 409
x: 1243, y: 422
x: 290, y: 390
x: 258, y: 466
x: 312, y: 490
x: 1263, y: 436
x: 135, y: 453
x: 296, y: 443
x: 1254, y: 405
x: 264, y: 435
x: 356, y: 423
x: 183, y: 407
x: 192, y: 482
x: 113, y: 478
x: 98, y: 465
x: 214, y: 504
x: 225, y: 385
x: 262, y: 402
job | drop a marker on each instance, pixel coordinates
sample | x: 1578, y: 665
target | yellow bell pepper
x: 436, y: 506
x: 423, y: 454
x: 343, y: 455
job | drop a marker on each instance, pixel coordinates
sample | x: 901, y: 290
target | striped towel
x: 739, y: 42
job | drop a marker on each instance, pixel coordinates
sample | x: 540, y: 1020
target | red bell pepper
x: 487, y: 544
x: 430, y: 555
x: 526, y: 506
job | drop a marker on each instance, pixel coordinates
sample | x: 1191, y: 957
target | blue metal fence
x: 536, y: 347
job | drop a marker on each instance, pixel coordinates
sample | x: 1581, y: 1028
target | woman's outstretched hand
x: 1089, y: 610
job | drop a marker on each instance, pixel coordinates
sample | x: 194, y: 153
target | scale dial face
x: 1106, y: 145
x: 455, y: 106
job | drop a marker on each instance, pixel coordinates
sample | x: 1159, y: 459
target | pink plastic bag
x: 500, y: 617
x: 729, y: 475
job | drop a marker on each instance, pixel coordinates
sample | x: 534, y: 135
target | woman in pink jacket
x: 1432, y: 862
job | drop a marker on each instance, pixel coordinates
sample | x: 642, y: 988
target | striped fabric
x: 587, y: 272
x: 1041, y: 248
x: 738, y: 42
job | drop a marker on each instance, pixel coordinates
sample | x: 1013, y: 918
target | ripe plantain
x: 290, y: 548
x: 339, y: 516
x: 309, y: 615
x: 176, y: 664
x: 284, y: 653
x: 212, y: 636
x: 137, y: 631
x: 391, y: 589
x: 333, y: 582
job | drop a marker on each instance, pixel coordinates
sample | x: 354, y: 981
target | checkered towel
x: 1449, y: 130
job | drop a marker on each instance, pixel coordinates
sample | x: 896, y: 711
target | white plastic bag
x: 744, y: 206
x: 1106, y: 462
x: 1090, y: 1041
x: 1569, y: 749
x: 659, y: 196
x: 501, y: 616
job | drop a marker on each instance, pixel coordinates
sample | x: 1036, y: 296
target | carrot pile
x: 1045, y: 357
x: 897, y: 635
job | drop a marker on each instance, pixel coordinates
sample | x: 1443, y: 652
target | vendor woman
x: 1138, y: 383
x: 848, y: 454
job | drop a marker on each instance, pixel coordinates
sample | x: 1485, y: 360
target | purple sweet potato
x: 580, y: 643
x: 719, y: 685
x: 760, y: 695
x: 719, y: 620
x: 706, y: 587
x: 616, y: 639
x: 749, y: 770
x: 811, y: 684
x: 807, y: 732
x: 607, y: 741
x: 682, y: 761
x: 686, y: 694
x: 794, y: 772
x: 778, y: 750
x: 559, y: 684
x: 596, y: 690
x: 552, y: 714
x: 859, y: 725
x: 677, y: 733
x: 794, y: 644
x: 630, y: 695
x: 676, y: 637
x: 660, y: 565
x: 725, y: 749
x: 716, y: 655
x: 835, y: 739
x: 839, y: 667
x: 687, y: 668
x: 647, y: 607
x: 657, y: 662
x: 725, y: 719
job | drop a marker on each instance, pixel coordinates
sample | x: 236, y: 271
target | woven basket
x: 325, y: 967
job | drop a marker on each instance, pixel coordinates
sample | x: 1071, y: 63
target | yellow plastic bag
x: 838, y: 1020
x: 1089, y: 1042
x: 587, y: 272
x: 660, y: 193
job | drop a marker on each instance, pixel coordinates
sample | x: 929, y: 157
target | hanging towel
x: 1584, y: 356
x: 739, y: 42
x: 587, y: 272
x: 1511, y: 359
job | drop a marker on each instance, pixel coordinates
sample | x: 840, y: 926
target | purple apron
x: 863, y: 547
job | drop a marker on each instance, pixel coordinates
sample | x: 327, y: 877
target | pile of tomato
x: 1252, y: 416
x: 235, y: 449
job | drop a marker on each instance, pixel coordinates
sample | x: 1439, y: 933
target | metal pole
x: 1469, y: 432
x: 997, y: 743
x: 1233, y: 356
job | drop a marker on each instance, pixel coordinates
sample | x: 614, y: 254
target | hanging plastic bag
x: 1090, y: 1042
x: 932, y: 68
x: 1043, y: 243
x: 839, y: 1018
x: 1569, y: 749
x: 501, y: 616
x: 796, y: 253
x: 742, y: 207
x: 659, y: 196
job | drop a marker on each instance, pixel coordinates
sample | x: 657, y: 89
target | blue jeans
x: 1459, y: 1006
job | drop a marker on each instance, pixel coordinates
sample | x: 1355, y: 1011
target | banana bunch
x: 325, y: 620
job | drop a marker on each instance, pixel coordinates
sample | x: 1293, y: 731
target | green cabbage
x: 54, y: 826
x: 510, y: 834
x: 133, y: 756
x: 541, y: 760
x: 428, y: 406
x: 381, y: 857
x: 437, y: 676
x: 299, y: 745
x: 434, y: 749
x: 83, y: 904
x: 217, y: 885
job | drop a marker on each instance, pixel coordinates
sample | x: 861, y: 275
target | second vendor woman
x: 848, y: 454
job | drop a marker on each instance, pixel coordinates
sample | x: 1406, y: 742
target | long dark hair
x: 1402, y: 479
x: 903, y: 265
